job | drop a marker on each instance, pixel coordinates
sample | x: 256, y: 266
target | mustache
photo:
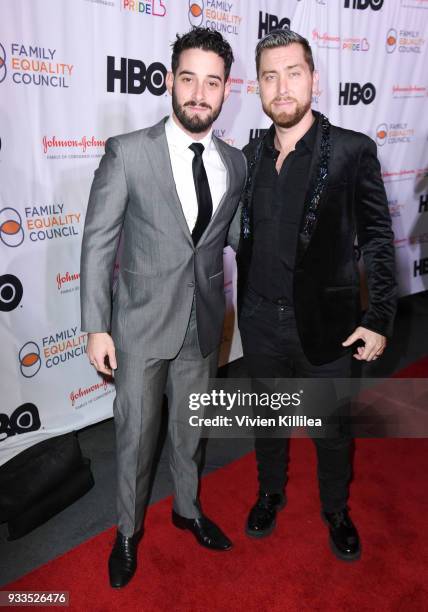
x: 282, y: 99
x: 194, y: 103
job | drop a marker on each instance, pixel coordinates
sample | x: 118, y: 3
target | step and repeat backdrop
x: 74, y: 72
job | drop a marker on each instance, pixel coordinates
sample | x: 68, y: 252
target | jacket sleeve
x: 376, y: 240
x: 104, y: 219
x: 234, y: 234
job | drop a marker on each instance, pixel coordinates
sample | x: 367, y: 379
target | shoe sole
x: 120, y: 586
x: 266, y: 532
x: 339, y: 554
x: 184, y: 528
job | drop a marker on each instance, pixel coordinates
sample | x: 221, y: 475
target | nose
x: 198, y: 91
x: 283, y: 85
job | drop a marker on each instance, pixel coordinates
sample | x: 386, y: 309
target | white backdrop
x: 74, y: 72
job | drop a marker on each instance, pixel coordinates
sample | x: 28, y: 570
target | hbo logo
x: 134, y: 77
x: 361, y: 5
x: 352, y: 93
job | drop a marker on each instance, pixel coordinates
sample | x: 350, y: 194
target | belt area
x: 282, y: 301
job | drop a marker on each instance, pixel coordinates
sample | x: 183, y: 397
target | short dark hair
x: 283, y: 38
x: 207, y: 40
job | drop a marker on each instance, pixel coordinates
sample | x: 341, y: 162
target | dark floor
x: 95, y: 512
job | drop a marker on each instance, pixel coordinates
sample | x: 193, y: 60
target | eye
x: 294, y: 74
x: 186, y: 79
x: 213, y: 84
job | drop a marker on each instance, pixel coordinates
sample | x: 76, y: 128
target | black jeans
x: 272, y: 349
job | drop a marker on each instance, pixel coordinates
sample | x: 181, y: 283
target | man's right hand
x: 100, y: 346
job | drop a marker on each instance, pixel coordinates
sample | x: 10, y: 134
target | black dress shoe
x: 123, y: 560
x: 262, y: 518
x: 344, y: 539
x: 205, y: 531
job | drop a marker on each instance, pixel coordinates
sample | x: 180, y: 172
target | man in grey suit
x: 173, y: 189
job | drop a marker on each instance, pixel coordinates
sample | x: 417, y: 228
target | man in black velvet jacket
x: 313, y: 189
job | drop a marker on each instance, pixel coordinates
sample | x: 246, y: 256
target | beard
x: 194, y: 123
x: 284, y: 119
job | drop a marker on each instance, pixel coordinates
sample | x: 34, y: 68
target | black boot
x: 344, y: 539
x: 262, y: 518
x: 123, y: 560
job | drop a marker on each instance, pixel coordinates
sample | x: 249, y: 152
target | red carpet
x: 419, y: 369
x: 292, y: 570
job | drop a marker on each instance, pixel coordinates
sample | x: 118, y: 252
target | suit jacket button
x: 190, y: 284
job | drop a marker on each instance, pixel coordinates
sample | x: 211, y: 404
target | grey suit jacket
x: 161, y: 270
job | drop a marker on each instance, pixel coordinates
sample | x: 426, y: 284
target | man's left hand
x: 374, y: 344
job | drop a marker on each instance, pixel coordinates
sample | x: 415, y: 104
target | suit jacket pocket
x: 217, y: 280
x: 340, y: 306
x: 140, y: 272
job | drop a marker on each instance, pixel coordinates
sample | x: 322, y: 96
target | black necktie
x: 203, y: 194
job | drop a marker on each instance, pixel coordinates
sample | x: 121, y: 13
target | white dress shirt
x: 181, y: 161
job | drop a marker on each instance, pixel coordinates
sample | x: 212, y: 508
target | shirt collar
x: 180, y: 140
x: 307, y: 140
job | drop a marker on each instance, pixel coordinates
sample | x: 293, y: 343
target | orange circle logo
x: 11, y: 232
x: 391, y: 40
x: 29, y: 359
x: 381, y: 134
x: 196, y: 12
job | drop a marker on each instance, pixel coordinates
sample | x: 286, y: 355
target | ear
x: 227, y: 88
x: 169, y: 81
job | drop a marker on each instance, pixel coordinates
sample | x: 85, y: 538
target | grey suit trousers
x: 140, y: 385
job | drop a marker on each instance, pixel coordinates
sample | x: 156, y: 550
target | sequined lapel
x: 317, y: 186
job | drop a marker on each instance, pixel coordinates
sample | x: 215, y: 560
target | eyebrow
x: 210, y: 76
x: 287, y: 68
